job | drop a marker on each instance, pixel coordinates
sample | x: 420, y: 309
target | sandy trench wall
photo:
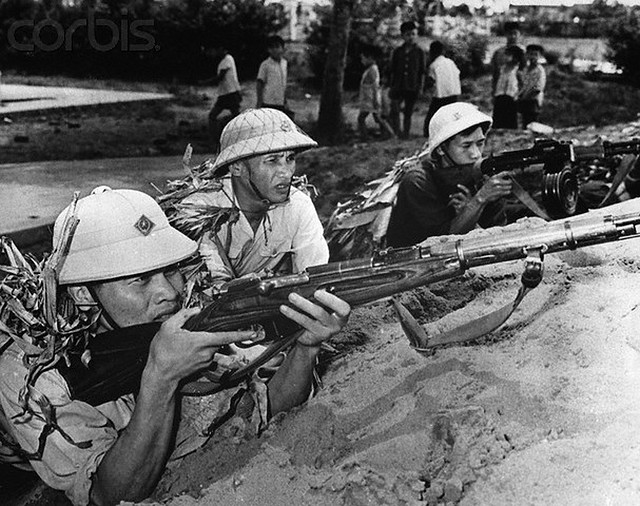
x: 542, y: 411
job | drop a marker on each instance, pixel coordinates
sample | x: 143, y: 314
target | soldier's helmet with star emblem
x: 452, y: 119
x: 258, y: 132
x: 119, y: 233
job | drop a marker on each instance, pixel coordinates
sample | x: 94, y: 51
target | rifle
x: 118, y: 357
x: 559, y: 181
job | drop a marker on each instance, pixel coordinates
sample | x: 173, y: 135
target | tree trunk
x: 330, y: 119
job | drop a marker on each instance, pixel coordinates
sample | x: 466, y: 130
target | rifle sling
x: 483, y: 325
x: 477, y: 327
x: 627, y: 164
x: 527, y: 200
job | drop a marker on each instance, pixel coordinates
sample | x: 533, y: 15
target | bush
x: 468, y: 51
x: 624, y: 43
x: 466, y: 41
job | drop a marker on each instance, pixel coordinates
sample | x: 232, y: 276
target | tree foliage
x: 173, y: 35
x: 369, y: 27
x: 624, y: 44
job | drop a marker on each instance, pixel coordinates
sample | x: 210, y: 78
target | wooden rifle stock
x: 118, y: 357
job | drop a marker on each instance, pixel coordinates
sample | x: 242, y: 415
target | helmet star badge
x: 144, y: 225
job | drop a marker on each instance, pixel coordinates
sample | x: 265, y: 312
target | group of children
x: 518, y: 86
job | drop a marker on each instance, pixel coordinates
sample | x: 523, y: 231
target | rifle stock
x: 358, y: 282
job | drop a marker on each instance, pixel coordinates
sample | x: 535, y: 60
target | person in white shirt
x: 444, y: 76
x: 271, y: 84
x: 229, y: 95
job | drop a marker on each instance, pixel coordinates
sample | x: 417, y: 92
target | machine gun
x: 118, y: 357
x: 559, y: 181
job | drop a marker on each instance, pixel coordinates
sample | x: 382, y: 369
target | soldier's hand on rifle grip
x: 459, y: 200
x: 495, y: 187
x: 176, y: 353
x: 320, y: 320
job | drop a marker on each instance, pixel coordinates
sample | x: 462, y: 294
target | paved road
x: 32, y: 194
x: 19, y: 98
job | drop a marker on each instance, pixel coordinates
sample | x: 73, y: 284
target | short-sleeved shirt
x: 291, y: 228
x: 273, y: 74
x: 229, y: 83
x: 422, y: 208
x: 533, y: 78
x: 446, y: 76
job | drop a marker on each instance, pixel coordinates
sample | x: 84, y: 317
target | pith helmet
x: 452, y: 119
x: 257, y: 132
x: 119, y: 233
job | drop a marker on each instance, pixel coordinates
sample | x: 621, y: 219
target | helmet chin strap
x: 453, y: 163
x: 255, y: 189
x: 104, y: 313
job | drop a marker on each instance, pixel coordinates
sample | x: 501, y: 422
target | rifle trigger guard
x: 533, y: 266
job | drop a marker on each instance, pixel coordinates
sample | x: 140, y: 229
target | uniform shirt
x: 446, y: 76
x: 369, y: 99
x: 533, y: 78
x: 407, y: 68
x: 66, y: 467
x: 292, y: 227
x: 422, y: 209
x: 274, y: 76
x: 63, y: 465
x: 229, y: 83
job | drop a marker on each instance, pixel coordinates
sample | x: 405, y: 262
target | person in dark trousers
x: 505, y: 107
x: 499, y: 57
x: 407, y: 73
x: 229, y: 92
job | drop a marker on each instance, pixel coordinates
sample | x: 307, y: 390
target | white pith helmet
x: 452, y: 119
x: 257, y: 132
x: 120, y: 233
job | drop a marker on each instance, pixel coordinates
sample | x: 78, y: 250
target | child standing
x: 505, y: 111
x: 271, y: 83
x: 533, y: 80
x: 370, y: 98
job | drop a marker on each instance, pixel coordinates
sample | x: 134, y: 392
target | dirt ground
x: 542, y: 411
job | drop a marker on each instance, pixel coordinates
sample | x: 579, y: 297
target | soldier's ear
x: 235, y: 169
x: 81, y: 296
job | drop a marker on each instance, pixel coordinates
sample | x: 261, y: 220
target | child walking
x: 370, y: 98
